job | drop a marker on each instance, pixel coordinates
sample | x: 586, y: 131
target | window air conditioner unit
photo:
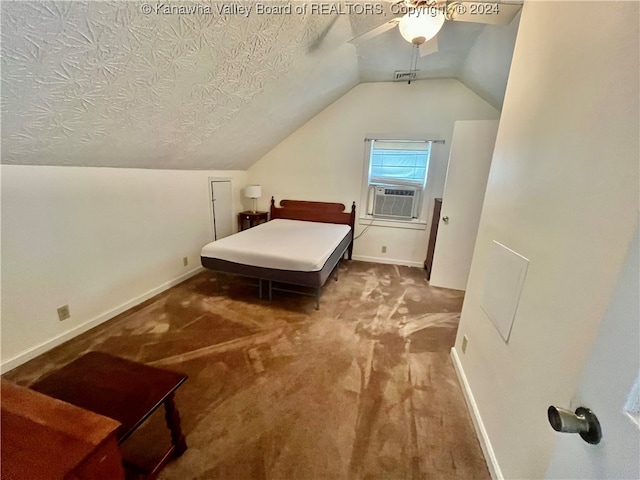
x: 395, y: 202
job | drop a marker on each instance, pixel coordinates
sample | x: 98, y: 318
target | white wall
x: 98, y: 239
x: 563, y: 192
x: 323, y: 159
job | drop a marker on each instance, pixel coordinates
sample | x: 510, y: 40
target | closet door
x: 467, y: 174
x: 221, y: 204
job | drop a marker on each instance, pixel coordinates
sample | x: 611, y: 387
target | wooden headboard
x: 324, y: 212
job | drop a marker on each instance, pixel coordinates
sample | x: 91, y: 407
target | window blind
x: 399, y: 163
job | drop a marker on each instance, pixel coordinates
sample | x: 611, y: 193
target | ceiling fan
x: 419, y: 21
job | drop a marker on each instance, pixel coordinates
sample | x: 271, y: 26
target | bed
x: 296, y: 251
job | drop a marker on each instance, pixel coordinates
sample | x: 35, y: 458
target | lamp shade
x: 421, y: 24
x: 253, y: 191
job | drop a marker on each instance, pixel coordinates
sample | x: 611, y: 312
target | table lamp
x: 254, y: 192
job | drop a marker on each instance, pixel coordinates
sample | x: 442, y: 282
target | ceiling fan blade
x: 429, y: 47
x: 491, y: 13
x: 376, y: 31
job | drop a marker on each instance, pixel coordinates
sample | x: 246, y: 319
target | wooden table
x: 44, y: 438
x: 126, y: 391
x: 251, y: 218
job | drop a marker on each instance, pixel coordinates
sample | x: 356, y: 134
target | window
x: 396, y: 177
x: 399, y: 163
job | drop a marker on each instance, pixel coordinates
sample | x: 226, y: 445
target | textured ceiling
x: 108, y: 84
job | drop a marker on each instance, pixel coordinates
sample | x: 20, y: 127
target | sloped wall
x: 486, y: 69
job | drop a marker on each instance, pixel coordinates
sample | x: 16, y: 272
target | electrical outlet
x: 384, y: 249
x: 465, y: 340
x: 63, y: 312
x: 185, y: 261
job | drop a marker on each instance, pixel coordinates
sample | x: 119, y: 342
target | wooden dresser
x: 435, y: 220
x: 44, y: 438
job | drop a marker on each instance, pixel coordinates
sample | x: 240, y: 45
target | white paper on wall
x: 504, y: 279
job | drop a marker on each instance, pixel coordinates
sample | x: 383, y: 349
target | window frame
x: 365, y: 216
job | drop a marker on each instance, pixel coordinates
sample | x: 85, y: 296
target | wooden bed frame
x: 323, y: 212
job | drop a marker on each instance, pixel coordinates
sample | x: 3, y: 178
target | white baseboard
x: 481, y: 431
x: 69, y: 334
x: 388, y: 261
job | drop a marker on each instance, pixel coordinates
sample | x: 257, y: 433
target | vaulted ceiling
x: 149, y: 85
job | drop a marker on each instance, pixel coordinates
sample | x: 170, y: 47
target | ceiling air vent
x: 404, y: 75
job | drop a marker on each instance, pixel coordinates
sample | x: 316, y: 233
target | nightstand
x: 250, y: 219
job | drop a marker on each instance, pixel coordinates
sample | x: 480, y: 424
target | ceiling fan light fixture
x: 421, y: 24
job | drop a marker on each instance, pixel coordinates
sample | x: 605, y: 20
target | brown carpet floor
x: 363, y: 388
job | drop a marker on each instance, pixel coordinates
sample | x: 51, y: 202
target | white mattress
x: 281, y: 244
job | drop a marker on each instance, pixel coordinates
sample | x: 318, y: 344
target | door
x: 606, y: 384
x: 221, y: 206
x: 469, y: 162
